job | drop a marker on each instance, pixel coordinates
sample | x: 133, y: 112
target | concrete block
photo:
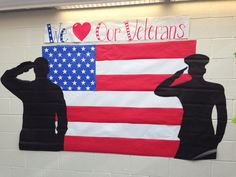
x: 234, y: 151
x: 202, y: 28
x: 183, y: 168
x: 16, y: 107
x: 220, y: 169
x: 42, y: 160
x: 5, y: 106
x: 120, y: 175
x: 12, y: 158
x: 149, y: 166
x: 77, y: 161
x: 5, y: 172
x: 204, y: 46
x: 9, y: 141
x: 113, y: 163
x: 36, y: 35
x: 229, y: 87
x: 33, y: 51
x: 26, y: 172
x: 229, y: 107
x: 10, y: 123
x: 59, y: 173
x: 222, y: 27
x: 225, y: 151
x: 221, y: 68
x: 230, y: 132
x: 223, y: 48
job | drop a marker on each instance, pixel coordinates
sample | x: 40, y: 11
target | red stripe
x: 171, y: 49
x: 135, y: 82
x: 167, y: 116
x: 165, y: 148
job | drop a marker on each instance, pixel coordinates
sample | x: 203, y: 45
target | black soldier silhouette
x: 43, y: 102
x: 198, y: 140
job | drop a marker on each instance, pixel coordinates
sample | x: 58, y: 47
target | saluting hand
x: 180, y: 72
x: 26, y: 66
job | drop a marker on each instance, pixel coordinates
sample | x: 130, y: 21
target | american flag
x: 108, y: 88
x: 72, y: 67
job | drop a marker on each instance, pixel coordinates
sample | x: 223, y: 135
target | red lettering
x: 150, y: 31
x: 181, y: 27
x: 165, y: 34
x: 172, y: 32
x: 115, y: 33
x: 140, y: 29
x: 98, y: 36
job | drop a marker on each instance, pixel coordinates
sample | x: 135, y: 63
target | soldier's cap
x: 196, y: 59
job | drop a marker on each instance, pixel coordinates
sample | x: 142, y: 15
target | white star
x: 78, y: 65
x: 92, y: 48
x: 54, y: 49
x: 83, y: 82
x: 64, y: 71
x: 69, y: 65
x: 64, y: 60
x: 92, y: 82
x: 59, y: 54
x: 55, y: 71
x: 64, y: 49
x: 69, y: 77
x: 74, y: 59
x: 69, y: 88
x: 50, y: 55
x: 78, y: 88
x: 78, y: 54
x: 87, y: 88
x: 87, y: 65
x: 74, y: 83
x: 65, y: 83
x: 73, y: 71
x: 88, y: 54
x: 59, y: 65
x: 46, y: 50
x: 69, y: 54
x: 83, y: 59
x: 55, y: 60
x: 83, y: 48
x: 55, y: 82
x: 91, y: 71
x: 51, y: 78
x: 74, y: 48
x: 83, y: 71
x: 78, y: 77
x: 92, y: 60
x: 87, y: 77
x: 51, y: 65
x: 60, y: 77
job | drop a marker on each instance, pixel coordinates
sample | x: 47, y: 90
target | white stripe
x: 147, y: 66
x: 123, y: 130
x: 119, y: 98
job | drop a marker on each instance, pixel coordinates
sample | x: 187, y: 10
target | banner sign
x: 145, y: 29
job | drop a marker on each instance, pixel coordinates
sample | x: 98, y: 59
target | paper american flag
x: 108, y: 89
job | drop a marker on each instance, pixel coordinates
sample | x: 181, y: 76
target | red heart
x: 81, y: 31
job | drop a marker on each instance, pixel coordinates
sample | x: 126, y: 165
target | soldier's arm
x: 221, y: 116
x: 11, y: 82
x: 165, y: 89
x: 62, y: 115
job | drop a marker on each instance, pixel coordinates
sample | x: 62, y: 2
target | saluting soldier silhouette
x: 198, y: 139
x: 43, y: 102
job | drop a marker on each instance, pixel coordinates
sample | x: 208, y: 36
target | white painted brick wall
x: 212, y: 24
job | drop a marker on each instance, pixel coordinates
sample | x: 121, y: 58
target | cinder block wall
x: 212, y: 24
